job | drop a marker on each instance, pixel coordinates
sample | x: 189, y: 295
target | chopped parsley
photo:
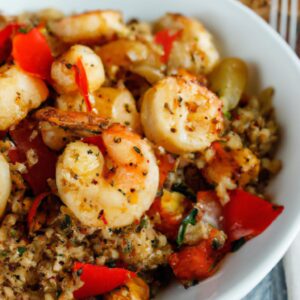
x: 189, y: 219
x: 66, y: 222
x: 143, y: 224
x: 21, y: 250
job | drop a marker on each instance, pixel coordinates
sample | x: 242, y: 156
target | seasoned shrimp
x: 180, y: 115
x: 19, y: 94
x: 193, y: 49
x: 136, y: 56
x: 5, y: 183
x: 91, y: 27
x: 62, y: 71
x: 117, y: 105
x: 114, y: 188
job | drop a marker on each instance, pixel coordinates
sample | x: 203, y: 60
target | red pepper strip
x: 166, y: 39
x: 25, y: 140
x: 82, y: 83
x: 5, y: 40
x: 32, y: 53
x: 97, y: 141
x: 166, y: 163
x: 99, y: 280
x: 33, y: 209
x: 247, y: 215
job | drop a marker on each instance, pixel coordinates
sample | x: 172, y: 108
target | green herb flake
x: 13, y: 232
x: 137, y: 150
x: 111, y: 264
x: 155, y: 243
x: 3, y: 253
x: 69, y: 66
x: 215, y: 244
x: 21, y: 250
x: 236, y: 245
x: 228, y: 115
x: 143, y: 224
x: 58, y: 293
x: 189, y: 219
x: 66, y: 222
x: 128, y: 247
x: 184, y: 190
x: 22, y: 30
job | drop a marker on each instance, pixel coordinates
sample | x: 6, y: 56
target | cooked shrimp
x: 5, y: 183
x: 117, y: 105
x: 180, y: 115
x: 91, y: 27
x: 76, y: 121
x: 194, y: 49
x: 19, y: 94
x: 114, y: 188
x: 138, y: 57
x: 62, y: 71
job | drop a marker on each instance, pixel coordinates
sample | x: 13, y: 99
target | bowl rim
x: 256, y: 274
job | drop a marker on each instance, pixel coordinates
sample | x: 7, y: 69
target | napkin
x: 292, y: 270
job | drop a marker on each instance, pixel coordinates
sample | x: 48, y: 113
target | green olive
x: 228, y: 80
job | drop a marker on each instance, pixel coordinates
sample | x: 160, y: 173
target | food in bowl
x: 130, y: 154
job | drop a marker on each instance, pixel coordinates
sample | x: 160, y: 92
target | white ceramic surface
x: 239, y: 32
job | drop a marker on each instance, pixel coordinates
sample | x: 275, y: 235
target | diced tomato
x: 196, y: 262
x: 33, y: 209
x: 166, y: 39
x: 210, y: 208
x: 32, y: 53
x: 82, y: 83
x: 5, y: 40
x: 168, y: 212
x: 96, y: 140
x: 247, y: 215
x: 166, y: 163
x: 99, y: 280
x: 27, y: 137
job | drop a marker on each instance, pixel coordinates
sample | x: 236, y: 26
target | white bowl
x: 239, y: 32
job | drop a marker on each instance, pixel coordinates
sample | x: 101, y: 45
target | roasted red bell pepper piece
x: 32, y: 53
x: 5, y: 40
x: 166, y: 39
x: 26, y: 137
x: 199, y: 261
x: 99, y: 280
x: 166, y: 163
x: 33, y: 209
x: 97, y: 141
x: 82, y: 83
x: 247, y: 215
